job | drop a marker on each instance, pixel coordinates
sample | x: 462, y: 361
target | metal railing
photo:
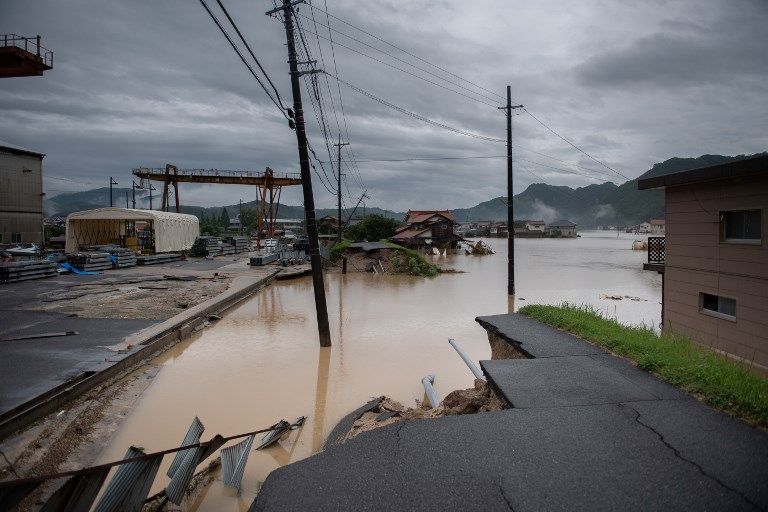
x: 30, y: 45
x: 215, y: 172
x: 656, y: 250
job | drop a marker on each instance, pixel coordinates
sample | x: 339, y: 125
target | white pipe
x: 430, y: 391
x: 465, y: 357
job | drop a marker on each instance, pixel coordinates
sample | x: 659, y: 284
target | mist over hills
x: 589, y: 206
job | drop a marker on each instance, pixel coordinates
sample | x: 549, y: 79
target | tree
x: 248, y: 219
x: 371, y: 228
x: 224, y: 219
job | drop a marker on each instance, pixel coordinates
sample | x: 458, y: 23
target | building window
x: 15, y: 238
x: 720, y: 307
x: 741, y: 226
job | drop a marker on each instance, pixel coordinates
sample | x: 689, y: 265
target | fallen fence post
x: 430, y: 391
x: 472, y: 366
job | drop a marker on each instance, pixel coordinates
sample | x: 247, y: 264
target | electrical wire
x: 338, y: 87
x: 248, y: 47
x: 242, y: 58
x: 414, y: 115
x: 574, y: 145
x: 407, y: 72
x: 407, y: 52
x: 485, y: 96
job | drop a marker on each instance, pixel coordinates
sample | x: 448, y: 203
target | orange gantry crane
x: 268, y: 187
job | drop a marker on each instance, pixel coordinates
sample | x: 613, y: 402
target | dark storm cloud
x: 728, y: 50
x: 146, y: 82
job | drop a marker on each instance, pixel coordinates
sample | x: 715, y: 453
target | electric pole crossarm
x: 278, y: 9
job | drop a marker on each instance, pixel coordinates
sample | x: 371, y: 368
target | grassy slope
x: 717, y: 381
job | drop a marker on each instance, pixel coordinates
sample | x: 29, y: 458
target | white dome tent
x: 170, y: 232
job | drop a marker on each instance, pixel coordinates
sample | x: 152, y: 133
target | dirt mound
x: 481, y: 398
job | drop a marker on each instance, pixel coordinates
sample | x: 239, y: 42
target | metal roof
x: 756, y: 165
x: 562, y: 224
x: 13, y: 148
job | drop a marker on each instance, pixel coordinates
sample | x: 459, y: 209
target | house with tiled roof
x: 428, y: 228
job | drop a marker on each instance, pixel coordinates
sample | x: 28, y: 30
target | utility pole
x: 338, y: 187
x: 510, y: 213
x: 306, y: 177
x: 240, y: 216
x: 134, y: 193
x: 151, y: 188
x: 111, y: 182
x: 126, y: 199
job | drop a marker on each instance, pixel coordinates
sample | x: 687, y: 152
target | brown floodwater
x: 262, y: 362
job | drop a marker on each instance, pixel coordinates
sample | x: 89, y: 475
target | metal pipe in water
x: 430, y: 391
x: 472, y: 366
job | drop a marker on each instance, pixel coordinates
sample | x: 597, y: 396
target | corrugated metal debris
x: 130, y: 486
x: 78, y: 493
x: 233, y: 461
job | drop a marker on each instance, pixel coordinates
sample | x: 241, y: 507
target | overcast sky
x: 634, y: 82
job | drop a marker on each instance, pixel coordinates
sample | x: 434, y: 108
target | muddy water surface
x: 262, y: 361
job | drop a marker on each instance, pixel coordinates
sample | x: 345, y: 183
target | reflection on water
x: 262, y: 361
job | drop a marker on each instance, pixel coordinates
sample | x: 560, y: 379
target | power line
x: 404, y: 61
x: 414, y: 115
x: 407, y: 52
x: 574, y: 145
x: 338, y: 87
x: 406, y: 71
x: 248, y: 47
x: 242, y: 58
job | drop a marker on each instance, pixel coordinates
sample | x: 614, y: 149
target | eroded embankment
x: 384, y: 411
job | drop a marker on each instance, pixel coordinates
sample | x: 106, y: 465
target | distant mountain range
x: 588, y: 206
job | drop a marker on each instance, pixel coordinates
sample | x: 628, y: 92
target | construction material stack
x: 156, y: 259
x: 122, y: 257
x: 24, y: 270
x: 90, y: 261
x: 205, y: 246
x: 240, y: 243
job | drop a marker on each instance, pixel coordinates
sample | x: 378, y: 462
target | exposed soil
x: 479, y: 399
x: 72, y: 438
x: 144, y: 297
x: 503, y: 349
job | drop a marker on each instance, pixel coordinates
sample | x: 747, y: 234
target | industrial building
x: 21, y: 195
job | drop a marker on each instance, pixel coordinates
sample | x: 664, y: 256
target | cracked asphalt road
x: 586, y: 431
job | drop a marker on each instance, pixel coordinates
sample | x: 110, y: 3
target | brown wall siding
x: 696, y: 261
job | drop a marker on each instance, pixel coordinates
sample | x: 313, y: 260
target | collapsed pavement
x: 585, y: 430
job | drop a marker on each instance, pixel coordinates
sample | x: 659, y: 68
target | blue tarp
x: 74, y: 270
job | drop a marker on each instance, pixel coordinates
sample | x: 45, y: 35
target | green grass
x: 716, y: 380
x: 411, y: 262
x: 338, y: 248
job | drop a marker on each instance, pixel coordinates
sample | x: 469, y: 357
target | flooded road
x: 262, y: 361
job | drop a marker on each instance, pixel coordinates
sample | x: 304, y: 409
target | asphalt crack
x: 680, y: 456
x: 504, y: 497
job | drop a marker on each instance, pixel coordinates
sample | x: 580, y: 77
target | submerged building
x: 21, y: 195
x: 714, y: 257
x: 428, y: 228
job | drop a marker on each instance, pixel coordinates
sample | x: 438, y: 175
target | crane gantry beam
x: 268, y: 184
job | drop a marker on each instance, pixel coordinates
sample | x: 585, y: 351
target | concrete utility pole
x: 135, y: 186
x: 111, y: 182
x: 338, y: 188
x: 126, y: 199
x: 306, y: 177
x: 510, y: 213
x: 240, y: 216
